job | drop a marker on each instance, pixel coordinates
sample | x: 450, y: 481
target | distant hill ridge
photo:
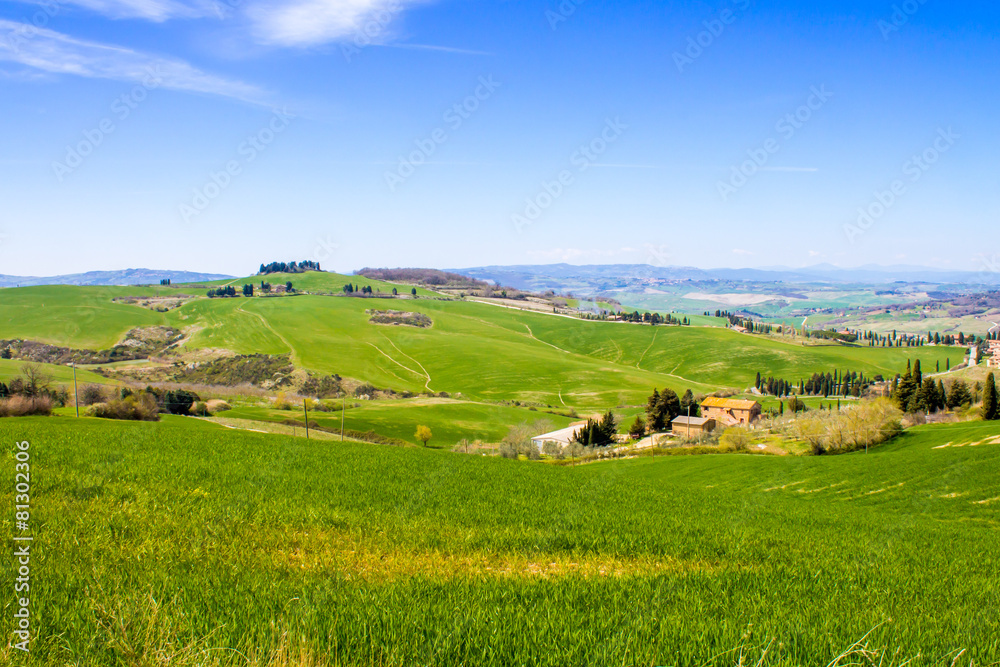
x: 105, y: 278
x: 563, y: 276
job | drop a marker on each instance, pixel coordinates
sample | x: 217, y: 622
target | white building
x: 562, y: 437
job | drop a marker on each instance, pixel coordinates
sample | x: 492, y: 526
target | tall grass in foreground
x: 160, y: 544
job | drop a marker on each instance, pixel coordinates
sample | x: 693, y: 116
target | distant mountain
x: 567, y: 277
x: 125, y: 277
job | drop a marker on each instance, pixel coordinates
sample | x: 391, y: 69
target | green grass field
x: 62, y: 375
x: 180, y: 543
x: 450, y: 421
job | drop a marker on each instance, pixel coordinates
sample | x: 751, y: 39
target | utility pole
x: 305, y: 407
x: 76, y: 394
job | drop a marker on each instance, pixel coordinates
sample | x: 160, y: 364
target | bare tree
x: 36, y: 380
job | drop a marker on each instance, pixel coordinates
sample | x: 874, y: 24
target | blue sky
x: 214, y: 135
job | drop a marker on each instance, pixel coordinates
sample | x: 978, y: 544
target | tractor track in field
x: 621, y: 352
x: 637, y: 364
x: 390, y: 358
x: 267, y: 325
x: 531, y: 335
x: 427, y: 385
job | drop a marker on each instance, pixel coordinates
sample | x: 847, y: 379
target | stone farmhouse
x: 730, y: 411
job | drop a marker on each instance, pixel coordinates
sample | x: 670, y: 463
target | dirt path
x: 427, y: 386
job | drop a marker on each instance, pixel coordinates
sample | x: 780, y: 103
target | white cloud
x: 815, y: 253
x: 313, y: 22
x: 741, y: 252
x: 54, y: 52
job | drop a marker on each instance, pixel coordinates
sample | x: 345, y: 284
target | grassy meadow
x: 450, y: 421
x: 181, y: 543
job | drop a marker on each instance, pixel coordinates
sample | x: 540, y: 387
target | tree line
x: 837, y: 383
x: 247, y: 290
x: 652, y: 318
x: 367, y: 290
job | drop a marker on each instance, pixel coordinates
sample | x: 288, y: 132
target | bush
x: 281, y: 402
x: 736, y: 439
x: 217, y: 405
x: 23, y: 406
x: 552, y: 449
x: 91, y: 394
x: 366, y: 389
x: 199, y: 409
x: 179, y: 402
x: 863, y: 425
x: 322, y: 387
x: 508, y: 450
x: 142, y: 407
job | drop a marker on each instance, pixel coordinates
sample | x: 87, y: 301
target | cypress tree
x: 905, y: 390
x: 991, y: 411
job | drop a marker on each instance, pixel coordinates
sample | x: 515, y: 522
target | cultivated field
x: 181, y: 543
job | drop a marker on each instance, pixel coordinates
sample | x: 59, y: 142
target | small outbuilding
x: 692, y: 427
x: 562, y: 437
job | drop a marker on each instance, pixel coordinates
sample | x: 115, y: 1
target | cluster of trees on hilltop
x: 291, y: 267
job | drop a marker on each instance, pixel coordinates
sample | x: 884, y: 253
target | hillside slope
x: 479, y: 350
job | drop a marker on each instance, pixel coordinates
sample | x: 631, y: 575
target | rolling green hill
x: 161, y: 543
x: 481, y: 351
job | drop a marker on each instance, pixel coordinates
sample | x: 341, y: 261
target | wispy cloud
x: 56, y: 53
x: 443, y: 49
x: 149, y: 10
x: 741, y: 252
x: 314, y: 22
x: 791, y: 169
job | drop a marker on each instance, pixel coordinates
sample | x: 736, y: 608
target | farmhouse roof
x: 691, y: 421
x: 729, y: 403
x: 563, y: 435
